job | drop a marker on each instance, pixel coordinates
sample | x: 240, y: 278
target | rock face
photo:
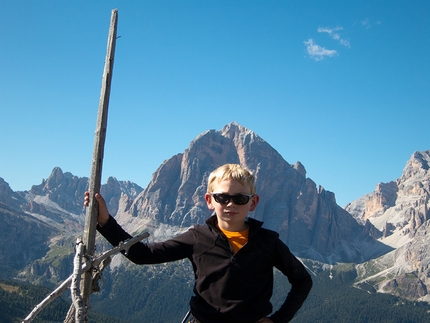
x: 384, y: 232
x: 47, y: 217
x: 398, y: 207
x: 401, y: 211
x: 60, y: 198
x: 64, y: 189
x: 8, y: 197
x: 307, y: 217
x: 23, y: 238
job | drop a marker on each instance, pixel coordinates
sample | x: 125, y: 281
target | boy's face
x: 231, y: 216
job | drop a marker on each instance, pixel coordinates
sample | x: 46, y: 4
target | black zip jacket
x: 229, y: 288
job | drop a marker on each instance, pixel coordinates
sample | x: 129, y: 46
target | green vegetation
x: 58, y: 251
x: 334, y: 300
x: 17, y: 300
x: 161, y: 293
x: 158, y: 293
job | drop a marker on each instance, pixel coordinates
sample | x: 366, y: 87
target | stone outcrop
x: 401, y: 206
x: 47, y: 217
x: 60, y: 198
x: 23, y: 238
x: 306, y: 216
x: 10, y: 198
x: 64, y: 189
x: 384, y: 232
x: 400, y: 210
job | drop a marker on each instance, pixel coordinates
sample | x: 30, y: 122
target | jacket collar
x: 254, y: 225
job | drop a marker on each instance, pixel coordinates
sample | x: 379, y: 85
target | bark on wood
x: 95, y: 263
x: 96, y: 169
x: 77, y: 299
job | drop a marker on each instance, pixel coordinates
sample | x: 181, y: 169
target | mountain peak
x: 400, y: 210
x: 234, y: 128
x: 8, y: 196
x: 392, y: 202
x: 417, y: 166
x: 306, y: 216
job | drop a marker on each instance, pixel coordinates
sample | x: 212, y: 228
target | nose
x: 230, y: 203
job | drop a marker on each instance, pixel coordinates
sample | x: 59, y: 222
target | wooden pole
x: 96, y: 168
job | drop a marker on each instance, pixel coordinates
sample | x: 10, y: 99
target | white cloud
x: 345, y: 43
x: 328, y: 30
x: 317, y: 52
x: 366, y: 23
x: 332, y: 32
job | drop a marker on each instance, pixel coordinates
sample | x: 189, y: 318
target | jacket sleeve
x: 300, y: 280
x: 177, y: 248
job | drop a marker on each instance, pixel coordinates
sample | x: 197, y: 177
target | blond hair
x: 232, y: 171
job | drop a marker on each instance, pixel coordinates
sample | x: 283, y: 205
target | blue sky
x: 341, y: 86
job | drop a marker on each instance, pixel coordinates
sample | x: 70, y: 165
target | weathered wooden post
x: 96, y: 168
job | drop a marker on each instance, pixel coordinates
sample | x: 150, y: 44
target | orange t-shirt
x: 236, y: 239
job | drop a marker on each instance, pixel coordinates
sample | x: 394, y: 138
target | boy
x: 232, y: 255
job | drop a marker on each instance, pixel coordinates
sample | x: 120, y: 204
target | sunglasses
x: 238, y: 199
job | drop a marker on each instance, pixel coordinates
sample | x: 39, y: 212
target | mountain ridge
x: 383, y: 231
x: 306, y: 217
x: 400, y: 209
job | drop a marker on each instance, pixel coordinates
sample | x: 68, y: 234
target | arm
x: 140, y: 253
x: 300, y: 280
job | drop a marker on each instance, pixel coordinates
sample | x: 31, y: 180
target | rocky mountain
x: 306, y: 216
x: 23, y: 239
x: 400, y: 210
x: 10, y: 198
x: 40, y: 225
x: 383, y: 235
x: 60, y: 196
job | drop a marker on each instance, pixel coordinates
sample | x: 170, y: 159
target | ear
x: 254, y: 202
x: 208, y: 199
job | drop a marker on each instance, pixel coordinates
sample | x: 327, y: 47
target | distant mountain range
x: 383, y: 235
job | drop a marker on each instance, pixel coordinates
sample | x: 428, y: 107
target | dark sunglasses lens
x: 222, y: 198
x: 237, y: 199
x: 240, y: 199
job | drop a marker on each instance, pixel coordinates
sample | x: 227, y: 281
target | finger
x: 101, y: 202
x: 86, y: 198
x: 103, y: 215
x: 99, y: 198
